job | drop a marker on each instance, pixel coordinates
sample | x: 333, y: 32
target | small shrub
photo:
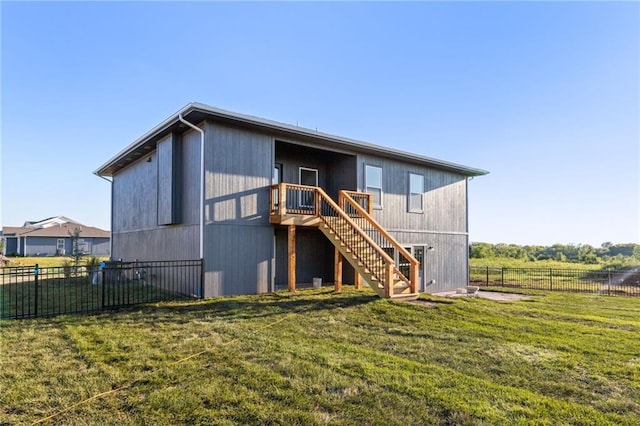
x: 67, y: 268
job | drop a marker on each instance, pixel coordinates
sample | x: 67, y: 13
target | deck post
x: 291, y: 246
x: 282, y: 199
x: 388, y: 285
x: 415, y: 272
x: 357, y: 280
x: 337, y: 275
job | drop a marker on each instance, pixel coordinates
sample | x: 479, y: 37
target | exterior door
x: 418, y: 253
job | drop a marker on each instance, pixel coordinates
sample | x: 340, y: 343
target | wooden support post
x: 357, y: 280
x: 388, y: 288
x: 415, y: 273
x: 291, y: 246
x: 337, y: 275
x: 282, y: 199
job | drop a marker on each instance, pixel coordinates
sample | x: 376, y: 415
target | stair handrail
x: 415, y: 265
x: 385, y: 257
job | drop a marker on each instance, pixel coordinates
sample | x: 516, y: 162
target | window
x: 416, y: 190
x: 373, y: 183
x: 60, y: 244
x: 308, y: 177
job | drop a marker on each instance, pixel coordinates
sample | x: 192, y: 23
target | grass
x: 74, y: 295
x: 48, y: 261
x: 316, y: 357
x: 499, y: 262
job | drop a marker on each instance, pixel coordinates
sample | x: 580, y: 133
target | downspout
x: 111, y: 218
x: 194, y: 127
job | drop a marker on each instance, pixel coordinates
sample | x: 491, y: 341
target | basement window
x: 373, y: 184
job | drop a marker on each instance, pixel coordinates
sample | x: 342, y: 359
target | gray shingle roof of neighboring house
x: 60, y: 231
x: 196, y: 112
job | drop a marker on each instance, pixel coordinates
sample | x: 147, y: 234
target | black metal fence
x: 31, y: 291
x: 611, y: 282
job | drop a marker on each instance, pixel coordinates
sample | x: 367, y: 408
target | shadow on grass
x: 236, y: 308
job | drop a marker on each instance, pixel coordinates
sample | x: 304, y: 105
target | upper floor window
x: 416, y: 192
x: 373, y: 183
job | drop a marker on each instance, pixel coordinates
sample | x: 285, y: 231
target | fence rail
x: 30, y: 291
x: 611, y: 282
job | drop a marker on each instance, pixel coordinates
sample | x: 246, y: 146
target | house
x: 268, y: 205
x: 53, y: 237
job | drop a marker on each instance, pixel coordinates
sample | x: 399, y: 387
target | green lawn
x: 48, y: 261
x: 500, y: 262
x: 316, y: 357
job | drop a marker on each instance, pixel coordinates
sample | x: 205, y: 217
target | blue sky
x: 546, y: 96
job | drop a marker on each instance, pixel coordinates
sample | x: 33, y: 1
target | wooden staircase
x: 359, y: 239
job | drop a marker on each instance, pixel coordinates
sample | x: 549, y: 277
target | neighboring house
x: 257, y: 206
x: 53, y: 237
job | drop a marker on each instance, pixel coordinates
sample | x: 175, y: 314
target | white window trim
x: 306, y: 169
x: 367, y: 186
x: 59, y: 243
x: 409, y: 193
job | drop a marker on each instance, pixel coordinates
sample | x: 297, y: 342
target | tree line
x: 607, y: 253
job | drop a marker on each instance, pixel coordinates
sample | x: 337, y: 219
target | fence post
x: 609, y: 286
x: 502, y: 276
x: 104, y: 282
x: 550, y: 279
x: 487, y: 276
x: 201, y: 278
x: 35, y: 303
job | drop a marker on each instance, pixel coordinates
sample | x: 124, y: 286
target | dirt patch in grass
x: 490, y: 295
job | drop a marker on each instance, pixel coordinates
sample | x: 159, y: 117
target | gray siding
x: 238, y: 235
x: 135, y: 198
x: 43, y: 246
x: 445, y: 205
x: 100, y: 247
x: 11, y: 245
x: 243, y: 253
x: 166, y: 243
x: 442, y: 224
x: 335, y: 171
x: 135, y: 230
x: 446, y: 265
x: 190, y: 190
x: 48, y: 246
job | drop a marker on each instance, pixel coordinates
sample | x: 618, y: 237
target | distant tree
x: 560, y: 257
x: 587, y: 254
x: 481, y: 251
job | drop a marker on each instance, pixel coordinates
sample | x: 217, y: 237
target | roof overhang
x: 197, y: 112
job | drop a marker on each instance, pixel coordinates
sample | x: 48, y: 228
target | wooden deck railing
x: 382, y: 238
x: 348, y: 217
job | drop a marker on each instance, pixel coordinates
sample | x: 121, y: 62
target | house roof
x: 50, y: 221
x: 196, y: 112
x: 60, y: 231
